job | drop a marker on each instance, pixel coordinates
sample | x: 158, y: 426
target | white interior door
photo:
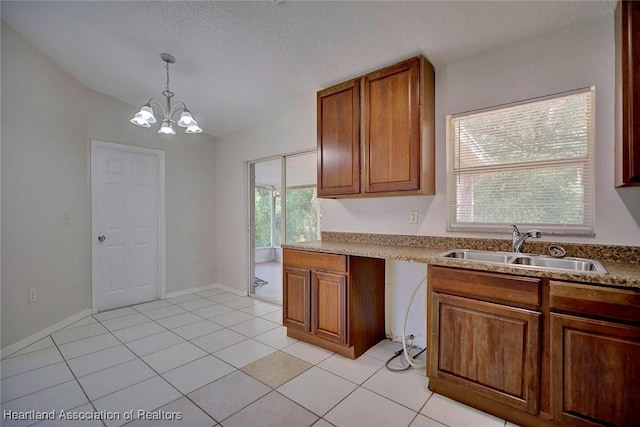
x: 125, y: 223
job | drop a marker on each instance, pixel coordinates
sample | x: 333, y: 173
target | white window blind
x: 529, y: 163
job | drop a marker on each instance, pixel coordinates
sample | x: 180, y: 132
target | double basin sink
x: 542, y: 262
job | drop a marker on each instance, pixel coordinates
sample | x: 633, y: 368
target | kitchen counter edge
x: 619, y: 274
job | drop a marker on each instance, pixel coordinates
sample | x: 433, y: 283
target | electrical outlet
x: 413, y: 217
x: 66, y: 218
x: 398, y: 337
x: 32, y: 295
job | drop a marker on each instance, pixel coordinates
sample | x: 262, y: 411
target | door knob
x: 102, y: 238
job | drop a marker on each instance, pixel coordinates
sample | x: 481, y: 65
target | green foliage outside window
x: 262, y: 220
x: 302, y: 216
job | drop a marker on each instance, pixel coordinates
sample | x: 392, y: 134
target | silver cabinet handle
x: 102, y: 238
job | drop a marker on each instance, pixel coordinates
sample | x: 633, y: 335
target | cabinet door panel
x: 628, y: 93
x: 329, y: 309
x: 339, y: 140
x: 491, y: 349
x: 595, y: 372
x: 392, y: 128
x: 296, y: 303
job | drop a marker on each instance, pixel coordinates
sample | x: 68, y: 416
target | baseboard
x: 13, y: 348
x: 205, y: 288
x: 230, y: 289
x: 54, y: 328
x: 189, y: 291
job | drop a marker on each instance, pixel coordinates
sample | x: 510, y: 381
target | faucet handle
x: 535, y: 234
x: 515, y: 229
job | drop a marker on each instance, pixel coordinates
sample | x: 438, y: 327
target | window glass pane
x: 262, y: 230
x: 541, y: 131
x: 551, y: 195
x: 302, y: 215
x: 302, y: 220
x: 530, y: 163
x: 277, y: 236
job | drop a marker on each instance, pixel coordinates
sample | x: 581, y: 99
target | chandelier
x: 145, y: 117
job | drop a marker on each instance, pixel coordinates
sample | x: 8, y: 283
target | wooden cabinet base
x: 333, y: 301
x: 461, y: 394
x: 535, y: 352
x: 342, y: 350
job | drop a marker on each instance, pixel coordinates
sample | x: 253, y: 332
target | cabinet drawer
x: 315, y: 260
x: 579, y: 298
x: 503, y: 288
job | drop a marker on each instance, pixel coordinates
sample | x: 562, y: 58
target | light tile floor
x: 216, y: 359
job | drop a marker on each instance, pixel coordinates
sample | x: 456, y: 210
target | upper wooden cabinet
x: 376, y: 133
x: 392, y: 128
x: 339, y: 140
x: 628, y: 94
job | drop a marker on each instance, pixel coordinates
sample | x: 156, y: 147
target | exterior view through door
x: 126, y: 193
x: 301, y: 216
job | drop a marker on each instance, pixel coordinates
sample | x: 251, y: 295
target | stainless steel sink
x: 528, y: 260
x: 573, y: 264
x: 486, y: 256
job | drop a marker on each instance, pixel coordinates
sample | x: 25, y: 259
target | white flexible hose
x: 410, y: 360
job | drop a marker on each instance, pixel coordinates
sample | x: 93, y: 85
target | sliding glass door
x: 296, y: 173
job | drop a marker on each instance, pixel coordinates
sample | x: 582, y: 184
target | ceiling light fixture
x: 145, y: 117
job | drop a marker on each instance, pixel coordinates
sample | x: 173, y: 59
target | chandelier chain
x: 167, y: 86
x: 167, y: 93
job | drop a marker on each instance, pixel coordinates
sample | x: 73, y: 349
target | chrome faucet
x: 518, y: 239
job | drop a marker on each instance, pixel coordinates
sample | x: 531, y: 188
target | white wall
x: 575, y: 57
x: 190, y: 206
x: 290, y: 133
x: 578, y: 56
x: 48, y: 121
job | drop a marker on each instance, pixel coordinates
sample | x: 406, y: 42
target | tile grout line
x: 76, y: 380
x: 139, y: 382
x: 223, y: 327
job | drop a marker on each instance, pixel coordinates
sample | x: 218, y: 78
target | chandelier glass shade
x: 145, y: 117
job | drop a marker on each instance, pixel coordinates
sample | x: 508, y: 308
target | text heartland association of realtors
x: 140, y: 414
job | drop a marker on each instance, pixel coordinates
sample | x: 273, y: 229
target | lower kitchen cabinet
x: 333, y: 301
x: 296, y: 293
x: 536, y: 352
x: 490, y: 348
x: 595, y: 355
x: 329, y: 311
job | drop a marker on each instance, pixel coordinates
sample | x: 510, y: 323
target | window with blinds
x: 528, y: 163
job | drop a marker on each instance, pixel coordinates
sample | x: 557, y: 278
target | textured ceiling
x: 241, y: 63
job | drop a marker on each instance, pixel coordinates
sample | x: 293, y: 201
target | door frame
x: 249, y: 169
x: 159, y: 154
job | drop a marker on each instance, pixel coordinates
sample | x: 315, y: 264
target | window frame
x: 587, y: 228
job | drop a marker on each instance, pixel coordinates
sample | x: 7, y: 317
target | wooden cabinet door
x: 329, y: 306
x: 490, y: 349
x: 595, y: 372
x: 296, y: 304
x: 628, y: 93
x: 391, y: 113
x: 339, y: 139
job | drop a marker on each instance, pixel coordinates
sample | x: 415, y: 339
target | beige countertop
x: 619, y: 274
